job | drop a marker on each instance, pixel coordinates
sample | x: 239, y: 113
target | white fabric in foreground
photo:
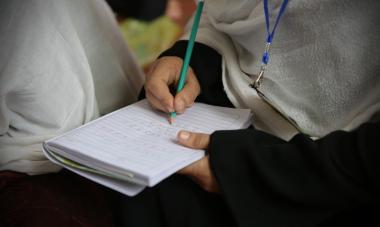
x: 62, y: 64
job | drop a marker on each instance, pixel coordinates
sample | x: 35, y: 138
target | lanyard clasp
x: 257, y: 82
x: 264, y: 62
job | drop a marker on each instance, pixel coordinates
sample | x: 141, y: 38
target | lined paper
x: 139, y: 140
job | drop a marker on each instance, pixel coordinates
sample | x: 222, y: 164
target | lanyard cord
x: 270, y: 35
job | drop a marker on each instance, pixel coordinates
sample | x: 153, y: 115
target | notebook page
x: 140, y: 140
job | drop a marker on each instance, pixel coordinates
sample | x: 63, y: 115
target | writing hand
x: 199, y: 171
x: 163, y: 75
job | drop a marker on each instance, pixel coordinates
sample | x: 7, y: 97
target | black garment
x: 146, y: 10
x: 265, y: 181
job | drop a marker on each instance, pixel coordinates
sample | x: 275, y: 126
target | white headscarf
x: 62, y: 64
x: 324, y: 71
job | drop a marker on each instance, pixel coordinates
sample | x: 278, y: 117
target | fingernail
x: 180, y: 106
x: 169, y: 108
x: 184, y: 135
x: 169, y: 105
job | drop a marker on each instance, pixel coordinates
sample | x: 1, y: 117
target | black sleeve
x: 270, y: 182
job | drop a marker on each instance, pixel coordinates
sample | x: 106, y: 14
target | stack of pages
x: 135, y: 146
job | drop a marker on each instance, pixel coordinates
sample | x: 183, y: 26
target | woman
x: 323, y: 76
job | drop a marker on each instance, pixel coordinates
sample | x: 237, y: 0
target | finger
x: 188, y: 94
x: 156, y: 104
x: 188, y: 170
x: 191, y: 169
x: 158, y: 94
x: 193, y: 140
x: 161, y: 76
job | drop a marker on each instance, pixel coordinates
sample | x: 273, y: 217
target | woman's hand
x: 163, y: 76
x: 199, y: 171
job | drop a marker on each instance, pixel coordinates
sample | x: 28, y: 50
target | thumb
x: 193, y: 140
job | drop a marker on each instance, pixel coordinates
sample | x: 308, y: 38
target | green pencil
x: 189, y: 51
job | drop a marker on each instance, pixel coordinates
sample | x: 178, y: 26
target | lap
x: 176, y: 201
x: 57, y: 199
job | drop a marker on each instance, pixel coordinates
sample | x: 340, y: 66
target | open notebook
x: 135, y: 146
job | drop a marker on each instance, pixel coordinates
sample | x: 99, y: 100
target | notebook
x: 135, y: 146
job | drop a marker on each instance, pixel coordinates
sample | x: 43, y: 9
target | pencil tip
x: 171, y: 120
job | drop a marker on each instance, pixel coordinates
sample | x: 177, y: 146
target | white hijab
x: 324, y: 71
x: 62, y: 64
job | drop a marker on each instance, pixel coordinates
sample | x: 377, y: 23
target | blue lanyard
x: 270, y: 35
